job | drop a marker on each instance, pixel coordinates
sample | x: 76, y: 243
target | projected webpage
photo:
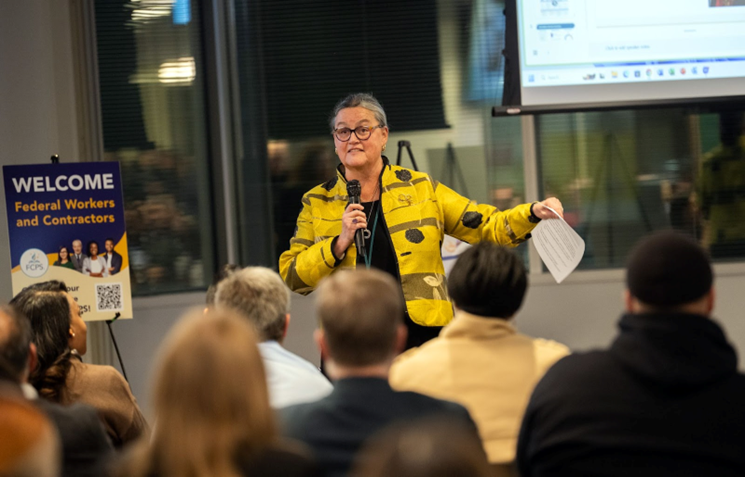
x: 585, y: 42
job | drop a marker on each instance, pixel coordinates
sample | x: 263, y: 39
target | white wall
x: 37, y: 95
x: 583, y: 310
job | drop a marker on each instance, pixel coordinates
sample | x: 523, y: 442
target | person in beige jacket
x: 480, y: 360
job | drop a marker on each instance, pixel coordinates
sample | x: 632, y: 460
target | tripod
x: 612, y: 154
x: 450, y: 168
x: 407, y: 145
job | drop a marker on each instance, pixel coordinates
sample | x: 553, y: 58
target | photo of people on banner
x: 66, y: 223
x: 91, y: 263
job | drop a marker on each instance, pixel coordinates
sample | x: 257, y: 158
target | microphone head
x: 354, y: 189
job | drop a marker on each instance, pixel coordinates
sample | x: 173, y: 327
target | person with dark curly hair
x: 60, y: 375
x: 85, y: 446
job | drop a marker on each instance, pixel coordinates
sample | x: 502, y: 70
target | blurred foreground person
x: 362, y: 330
x: 85, y: 447
x: 426, y: 448
x: 259, y: 295
x: 480, y: 360
x: 29, y: 446
x: 665, y: 399
x: 212, y: 408
x: 60, y: 375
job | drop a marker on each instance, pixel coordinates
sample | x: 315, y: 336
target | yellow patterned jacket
x: 418, y: 211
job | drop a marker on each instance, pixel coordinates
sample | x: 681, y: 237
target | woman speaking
x: 403, y: 215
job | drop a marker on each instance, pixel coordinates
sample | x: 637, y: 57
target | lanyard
x: 368, y: 256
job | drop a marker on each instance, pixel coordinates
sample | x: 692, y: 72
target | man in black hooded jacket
x: 666, y: 397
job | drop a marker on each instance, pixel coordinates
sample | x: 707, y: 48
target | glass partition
x: 624, y: 174
x: 153, y: 110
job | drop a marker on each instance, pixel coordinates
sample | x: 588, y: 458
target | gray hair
x: 260, y: 295
x: 362, y: 100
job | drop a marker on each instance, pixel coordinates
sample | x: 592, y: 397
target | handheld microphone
x: 354, y: 189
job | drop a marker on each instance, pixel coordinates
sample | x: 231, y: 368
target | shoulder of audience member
x: 457, y: 413
x: 411, y: 362
x: 76, y: 413
x: 426, y: 404
x: 739, y: 382
x: 550, y: 350
x: 100, y: 376
x: 572, y: 371
x: 77, y: 422
x: 287, y: 458
x: 295, y: 419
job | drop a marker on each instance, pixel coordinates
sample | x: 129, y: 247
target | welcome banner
x: 66, y: 222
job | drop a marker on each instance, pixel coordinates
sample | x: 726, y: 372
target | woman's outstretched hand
x: 541, y: 211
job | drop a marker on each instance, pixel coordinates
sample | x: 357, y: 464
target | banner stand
x: 55, y: 160
x: 116, y: 347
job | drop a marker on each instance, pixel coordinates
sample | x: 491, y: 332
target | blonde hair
x: 210, y: 398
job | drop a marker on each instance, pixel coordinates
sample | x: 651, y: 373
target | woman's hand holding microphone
x: 353, y: 219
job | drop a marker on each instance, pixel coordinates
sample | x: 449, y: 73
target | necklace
x: 367, y: 232
x: 370, y: 236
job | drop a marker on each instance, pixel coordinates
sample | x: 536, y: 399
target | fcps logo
x: 34, y: 262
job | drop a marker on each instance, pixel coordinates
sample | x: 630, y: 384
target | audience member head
x: 259, y: 294
x: 210, y: 399
x: 224, y: 272
x: 668, y: 272
x: 488, y: 280
x: 30, y: 446
x: 361, y: 315
x: 17, y: 352
x: 430, y: 448
x: 57, y: 329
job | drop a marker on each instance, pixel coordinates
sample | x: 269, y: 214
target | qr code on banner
x: 109, y: 297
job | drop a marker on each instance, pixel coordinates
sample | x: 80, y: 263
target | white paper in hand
x: 560, y: 247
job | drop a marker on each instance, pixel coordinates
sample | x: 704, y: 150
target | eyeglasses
x: 362, y: 132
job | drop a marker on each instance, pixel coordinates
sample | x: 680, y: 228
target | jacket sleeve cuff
x: 327, y: 254
x: 337, y: 260
x: 518, y: 224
